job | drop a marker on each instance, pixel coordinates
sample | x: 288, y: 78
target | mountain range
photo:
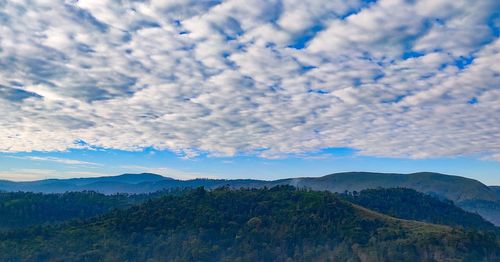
x: 466, y: 193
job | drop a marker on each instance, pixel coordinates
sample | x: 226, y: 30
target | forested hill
x: 277, y: 224
x: 409, y: 204
x: 24, y: 209
x: 467, y: 193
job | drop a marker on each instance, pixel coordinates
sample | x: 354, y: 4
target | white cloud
x: 32, y: 174
x: 272, y: 78
x: 56, y: 160
x: 27, y: 174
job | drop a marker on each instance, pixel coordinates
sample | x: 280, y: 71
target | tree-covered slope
x: 490, y: 210
x: 409, y: 204
x: 276, y: 224
x: 23, y: 209
x: 467, y: 193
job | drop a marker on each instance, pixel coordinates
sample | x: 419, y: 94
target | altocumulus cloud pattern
x: 389, y: 78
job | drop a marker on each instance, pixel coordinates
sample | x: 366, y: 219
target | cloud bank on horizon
x: 391, y: 78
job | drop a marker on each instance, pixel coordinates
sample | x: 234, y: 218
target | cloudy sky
x: 238, y: 88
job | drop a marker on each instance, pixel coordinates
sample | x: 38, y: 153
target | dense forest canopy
x: 22, y: 209
x: 276, y: 224
x: 409, y: 204
x: 468, y: 194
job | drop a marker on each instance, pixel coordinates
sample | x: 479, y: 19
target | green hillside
x: 468, y: 194
x: 24, y: 209
x: 409, y: 204
x: 278, y: 224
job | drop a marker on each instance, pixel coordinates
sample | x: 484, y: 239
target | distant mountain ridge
x: 496, y: 189
x: 467, y: 193
x: 125, y: 178
x: 455, y: 188
x: 125, y: 183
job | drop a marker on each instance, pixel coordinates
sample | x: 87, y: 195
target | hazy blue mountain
x: 490, y: 210
x: 126, y: 183
x: 454, y: 188
x: 467, y: 193
x: 125, y: 178
x: 496, y: 189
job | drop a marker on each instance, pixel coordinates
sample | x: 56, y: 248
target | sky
x: 249, y: 89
